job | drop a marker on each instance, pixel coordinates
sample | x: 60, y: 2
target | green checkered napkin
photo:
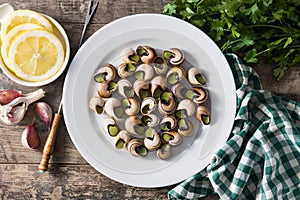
x: 261, y: 159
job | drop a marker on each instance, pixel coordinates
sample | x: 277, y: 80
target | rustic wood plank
x: 23, y: 181
x: 289, y: 86
x: 74, y: 11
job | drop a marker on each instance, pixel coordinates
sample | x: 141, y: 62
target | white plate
x: 85, y: 128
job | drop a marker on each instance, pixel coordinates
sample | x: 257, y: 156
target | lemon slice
x: 11, y: 36
x: 36, y: 55
x: 18, y: 17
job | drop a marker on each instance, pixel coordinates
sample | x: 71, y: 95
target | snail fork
x: 92, y: 6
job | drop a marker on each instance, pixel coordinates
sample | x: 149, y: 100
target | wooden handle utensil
x: 49, y: 145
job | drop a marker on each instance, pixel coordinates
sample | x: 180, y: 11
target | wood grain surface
x: 69, y: 175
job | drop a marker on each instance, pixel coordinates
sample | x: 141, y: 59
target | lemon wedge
x: 18, y: 17
x: 11, y: 35
x: 36, y: 55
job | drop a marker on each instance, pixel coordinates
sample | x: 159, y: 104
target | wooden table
x: 70, y: 176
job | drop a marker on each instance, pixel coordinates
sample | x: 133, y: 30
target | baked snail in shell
x: 137, y: 148
x: 106, y: 72
x: 174, y: 55
x: 110, y: 127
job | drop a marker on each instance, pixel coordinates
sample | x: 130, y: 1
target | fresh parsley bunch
x: 249, y: 28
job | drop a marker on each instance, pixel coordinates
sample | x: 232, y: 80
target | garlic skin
x: 30, y: 138
x: 13, y: 112
x: 44, y: 111
x: 7, y: 95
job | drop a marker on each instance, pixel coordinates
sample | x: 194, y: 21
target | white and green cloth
x: 261, y: 159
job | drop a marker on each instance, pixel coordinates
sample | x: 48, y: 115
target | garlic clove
x: 44, y: 111
x: 30, y: 138
x: 15, y: 115
x: 7, y: 95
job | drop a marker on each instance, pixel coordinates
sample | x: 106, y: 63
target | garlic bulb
x: 13, y: 112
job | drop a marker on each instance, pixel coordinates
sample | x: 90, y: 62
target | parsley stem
x: 261, y: 52
x: 200, y: 2
x: 266, y: 26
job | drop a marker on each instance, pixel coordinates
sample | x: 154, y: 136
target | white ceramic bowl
x: 62, y: 36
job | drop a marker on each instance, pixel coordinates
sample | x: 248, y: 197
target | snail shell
x: 185, y: 127
x: 134, y: 125
x: 110, y: 126
x: 122, y: 139
x: 153, y: 142
x: 158, y: 85
x: 175, y: 75
x: 97, y: 104
x: 106, y: 72
x: 164, y: 151
x: 131, y: 106
x: 105, y: 89
x: 141, y: 88
x: 136, y: 148
x: 126, y: 69
x: 113, y: 108
x: 146, y: 53
x: 203, y: 114
x: 125, y: 88
x: 174, y: 56
x: 196, y: 77
x: 144, y: 71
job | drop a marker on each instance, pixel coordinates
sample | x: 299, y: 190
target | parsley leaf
x: 170, y: 9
